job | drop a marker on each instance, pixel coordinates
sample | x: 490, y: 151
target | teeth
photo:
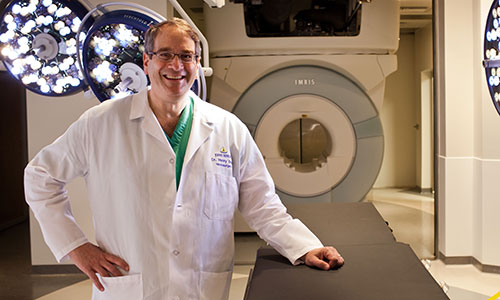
x: 173, y: 77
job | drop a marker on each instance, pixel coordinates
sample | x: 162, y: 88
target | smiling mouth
x: 170, y: 77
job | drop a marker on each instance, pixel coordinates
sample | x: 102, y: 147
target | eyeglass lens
x: 168, y: 56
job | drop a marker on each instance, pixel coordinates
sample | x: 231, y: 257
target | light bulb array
x: 492, y: 53
x: 115, y: 39
x: 38, y: 44
x: 110, y: 47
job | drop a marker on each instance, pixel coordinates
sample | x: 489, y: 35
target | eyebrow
x: 167, y: 49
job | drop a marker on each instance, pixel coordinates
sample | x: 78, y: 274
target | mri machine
x: 308, y: 88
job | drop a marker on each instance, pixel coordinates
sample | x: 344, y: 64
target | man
x: 165, y: 172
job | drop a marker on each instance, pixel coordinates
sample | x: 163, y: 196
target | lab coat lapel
x: 140, y: 109
x: 201, y: 129
x: 152, y: 127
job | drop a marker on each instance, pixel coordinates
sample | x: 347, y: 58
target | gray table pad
x: 375, y: 272
x: 344, y: 223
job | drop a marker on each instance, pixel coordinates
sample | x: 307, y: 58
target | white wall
x: 456, y: 157
x: 408, y: 151
x: 398, y: 118
x: 469, y: 155
x: 423, y: 49
x: 48, y: 117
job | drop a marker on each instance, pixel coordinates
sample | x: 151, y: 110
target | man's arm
x: 266, y: 214
x: 45, y: 179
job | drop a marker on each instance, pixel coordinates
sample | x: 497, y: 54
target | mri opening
x: 305, y: 145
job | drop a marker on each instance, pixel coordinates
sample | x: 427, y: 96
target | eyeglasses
x: 169, y: 56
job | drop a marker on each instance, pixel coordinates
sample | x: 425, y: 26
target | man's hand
x: 324, y: 258
x: 91, y: 260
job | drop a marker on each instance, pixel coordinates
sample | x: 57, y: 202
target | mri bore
x: 304, y: 145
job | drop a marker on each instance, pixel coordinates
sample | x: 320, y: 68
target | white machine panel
x: 378, y: 34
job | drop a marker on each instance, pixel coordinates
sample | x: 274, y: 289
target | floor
x: 411, y: 217
x: 16, y: 279
x: 408, y: 213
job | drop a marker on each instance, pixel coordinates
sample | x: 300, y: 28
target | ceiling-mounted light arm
x: 204, y: 43
x: 101, y: 7
x: 92, y: 6
x: 491, y: 63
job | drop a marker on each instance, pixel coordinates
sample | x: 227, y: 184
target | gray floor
x: 17, y: 281
x: 245, y: 247
x: 408, y: 213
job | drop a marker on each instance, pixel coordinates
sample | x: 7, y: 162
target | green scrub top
x: 180, y: 137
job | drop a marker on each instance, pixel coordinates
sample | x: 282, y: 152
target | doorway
x: 14, y: 153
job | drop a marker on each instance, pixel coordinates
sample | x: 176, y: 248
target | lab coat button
x: 172, y: 160
x: 175, y: 252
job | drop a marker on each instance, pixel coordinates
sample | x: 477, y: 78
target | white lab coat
x: 179, y: 244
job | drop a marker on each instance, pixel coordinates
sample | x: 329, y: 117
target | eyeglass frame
x: 195, y: 56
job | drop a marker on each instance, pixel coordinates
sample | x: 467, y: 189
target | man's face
x: 172, y: 79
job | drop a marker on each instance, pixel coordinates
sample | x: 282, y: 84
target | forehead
x: 172, y: 38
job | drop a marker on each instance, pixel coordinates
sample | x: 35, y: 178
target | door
x: 425, y: 135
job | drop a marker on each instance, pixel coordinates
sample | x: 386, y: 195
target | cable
x: 203, y: 84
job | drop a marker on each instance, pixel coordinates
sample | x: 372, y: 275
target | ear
x: 145, y: 62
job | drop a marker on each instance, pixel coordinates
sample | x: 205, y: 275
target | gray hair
x: 154, y: 29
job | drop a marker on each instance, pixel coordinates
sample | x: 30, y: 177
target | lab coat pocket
x: 127, y: 287
x: 215, y: 286
x: 221, y: 196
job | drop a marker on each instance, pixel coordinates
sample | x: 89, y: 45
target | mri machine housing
x: 311, y: 102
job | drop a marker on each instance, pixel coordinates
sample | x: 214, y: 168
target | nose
x: 176, y: 63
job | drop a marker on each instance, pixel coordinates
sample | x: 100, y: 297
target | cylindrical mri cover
x: 319, y: 133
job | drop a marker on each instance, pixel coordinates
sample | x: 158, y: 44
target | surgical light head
x: 38, y: 44
x: 112, y: 55
x: 491, y: 50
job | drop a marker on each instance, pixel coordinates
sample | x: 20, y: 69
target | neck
x: 167, y: 111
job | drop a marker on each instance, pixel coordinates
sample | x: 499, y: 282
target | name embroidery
x: 222, y: 158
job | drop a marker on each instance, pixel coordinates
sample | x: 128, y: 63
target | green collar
x: 180, y: 137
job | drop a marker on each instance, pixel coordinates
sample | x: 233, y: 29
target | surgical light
x: 55, y: 48
x: 33, y: 44
x: 491, y: 49
x: 117, y: 38
x: 112, y: 55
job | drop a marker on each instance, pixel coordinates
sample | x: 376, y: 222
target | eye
x: 187, y: 57
x: 165, y: 55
